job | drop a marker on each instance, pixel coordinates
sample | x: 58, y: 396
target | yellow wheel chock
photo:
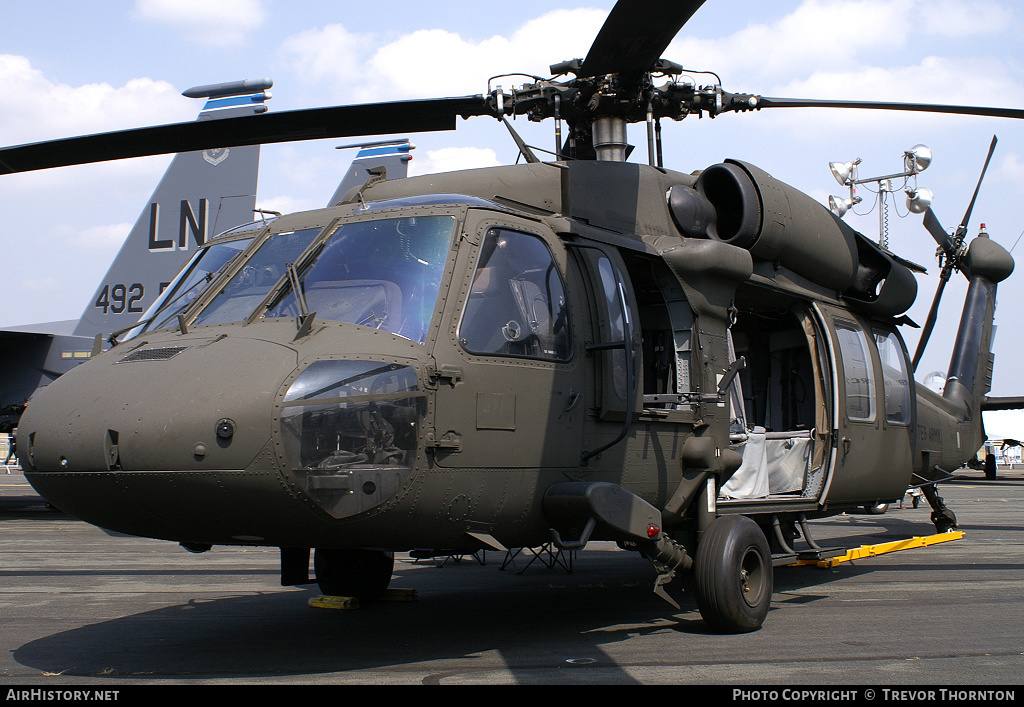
x: 884, y: 548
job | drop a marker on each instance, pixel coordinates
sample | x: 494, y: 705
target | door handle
x: 574, y: 398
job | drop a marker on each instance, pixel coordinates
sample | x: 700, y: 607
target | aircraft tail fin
x: 970, y: 368
x: 201, y: 194
x: 393, y: 155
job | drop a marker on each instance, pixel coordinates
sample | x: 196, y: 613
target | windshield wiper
x: 305, y: 321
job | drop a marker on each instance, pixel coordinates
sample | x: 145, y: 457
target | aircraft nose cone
x: 188, y: 403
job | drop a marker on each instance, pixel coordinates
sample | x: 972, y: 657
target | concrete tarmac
x: 79, y: 607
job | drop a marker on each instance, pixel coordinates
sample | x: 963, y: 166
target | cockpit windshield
x: 190, y: 282
x: 384, y: 273
x: 258, y: 275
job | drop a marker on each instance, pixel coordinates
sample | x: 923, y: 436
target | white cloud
x: 32, y: 107
x: 448, y: 159
x: 956, y: 18
x: 217, y: 22
x: 958, y: 80
x: 436, y: 62
x: 330, y: 53
x: 817, y: 34
x: 837, y: 35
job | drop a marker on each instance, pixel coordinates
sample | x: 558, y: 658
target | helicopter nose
x: 242, y: 437
x: 168, y: 439
x: 188, y: 404
x: 348, y: 431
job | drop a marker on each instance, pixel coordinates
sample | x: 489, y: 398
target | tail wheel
x: 733, y: 573
x: 363, y: 574
x: 944, y: 520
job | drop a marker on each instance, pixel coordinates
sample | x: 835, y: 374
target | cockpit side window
x: 200, y: 272
x: 517, y: 304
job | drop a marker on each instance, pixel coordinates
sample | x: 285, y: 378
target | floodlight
x: 918, y: 158
x: 918, y: 200
x: 844, y: 171
x: 839, y: 206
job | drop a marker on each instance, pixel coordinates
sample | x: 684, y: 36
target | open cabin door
x: 786, y: 433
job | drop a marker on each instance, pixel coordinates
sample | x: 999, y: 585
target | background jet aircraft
x: 201, y: 193
x: 393, y: 156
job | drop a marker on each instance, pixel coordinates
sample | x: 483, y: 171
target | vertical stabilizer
x: 970, y: 367
x: 392, y: 155
x: 201, y: 194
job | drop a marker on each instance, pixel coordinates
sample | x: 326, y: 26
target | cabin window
x: 895, y: 377
x: 616, y: 323
x: 516, y: 304
x: 857, y: 370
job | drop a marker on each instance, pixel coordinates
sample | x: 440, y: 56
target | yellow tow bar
x: 884, y: 548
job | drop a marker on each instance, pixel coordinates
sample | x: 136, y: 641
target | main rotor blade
x: 289, y: 126
x: 763, y: 102
x: 634, y: 36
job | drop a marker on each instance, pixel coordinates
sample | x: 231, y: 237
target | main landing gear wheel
x: 363, y: 574
x: 733, y: 575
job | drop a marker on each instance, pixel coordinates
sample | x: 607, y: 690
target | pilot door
x: 507, y: 373
x: 872, y: 388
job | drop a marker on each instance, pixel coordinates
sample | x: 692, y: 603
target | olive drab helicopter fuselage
x: 690, y: 365
x: 468, y: 370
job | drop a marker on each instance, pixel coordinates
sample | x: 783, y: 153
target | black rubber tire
x: 990, y: 467
x: 944, y: 520
x: 733, y: 575
x: 363, y: 574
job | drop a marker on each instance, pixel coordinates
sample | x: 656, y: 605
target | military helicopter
x: 691, y: 365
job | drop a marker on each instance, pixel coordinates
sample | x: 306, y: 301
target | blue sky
x: 71, y: 68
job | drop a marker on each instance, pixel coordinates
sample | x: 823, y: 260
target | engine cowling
x: 740, y: 204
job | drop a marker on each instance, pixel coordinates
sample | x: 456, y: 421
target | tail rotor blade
x: 970, y: 208
x: 929, y: 323
x: 950, y: 246
x: 931, y: 223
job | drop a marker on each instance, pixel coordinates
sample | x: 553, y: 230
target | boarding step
x: 781, y: 559
x: 821, y: 554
